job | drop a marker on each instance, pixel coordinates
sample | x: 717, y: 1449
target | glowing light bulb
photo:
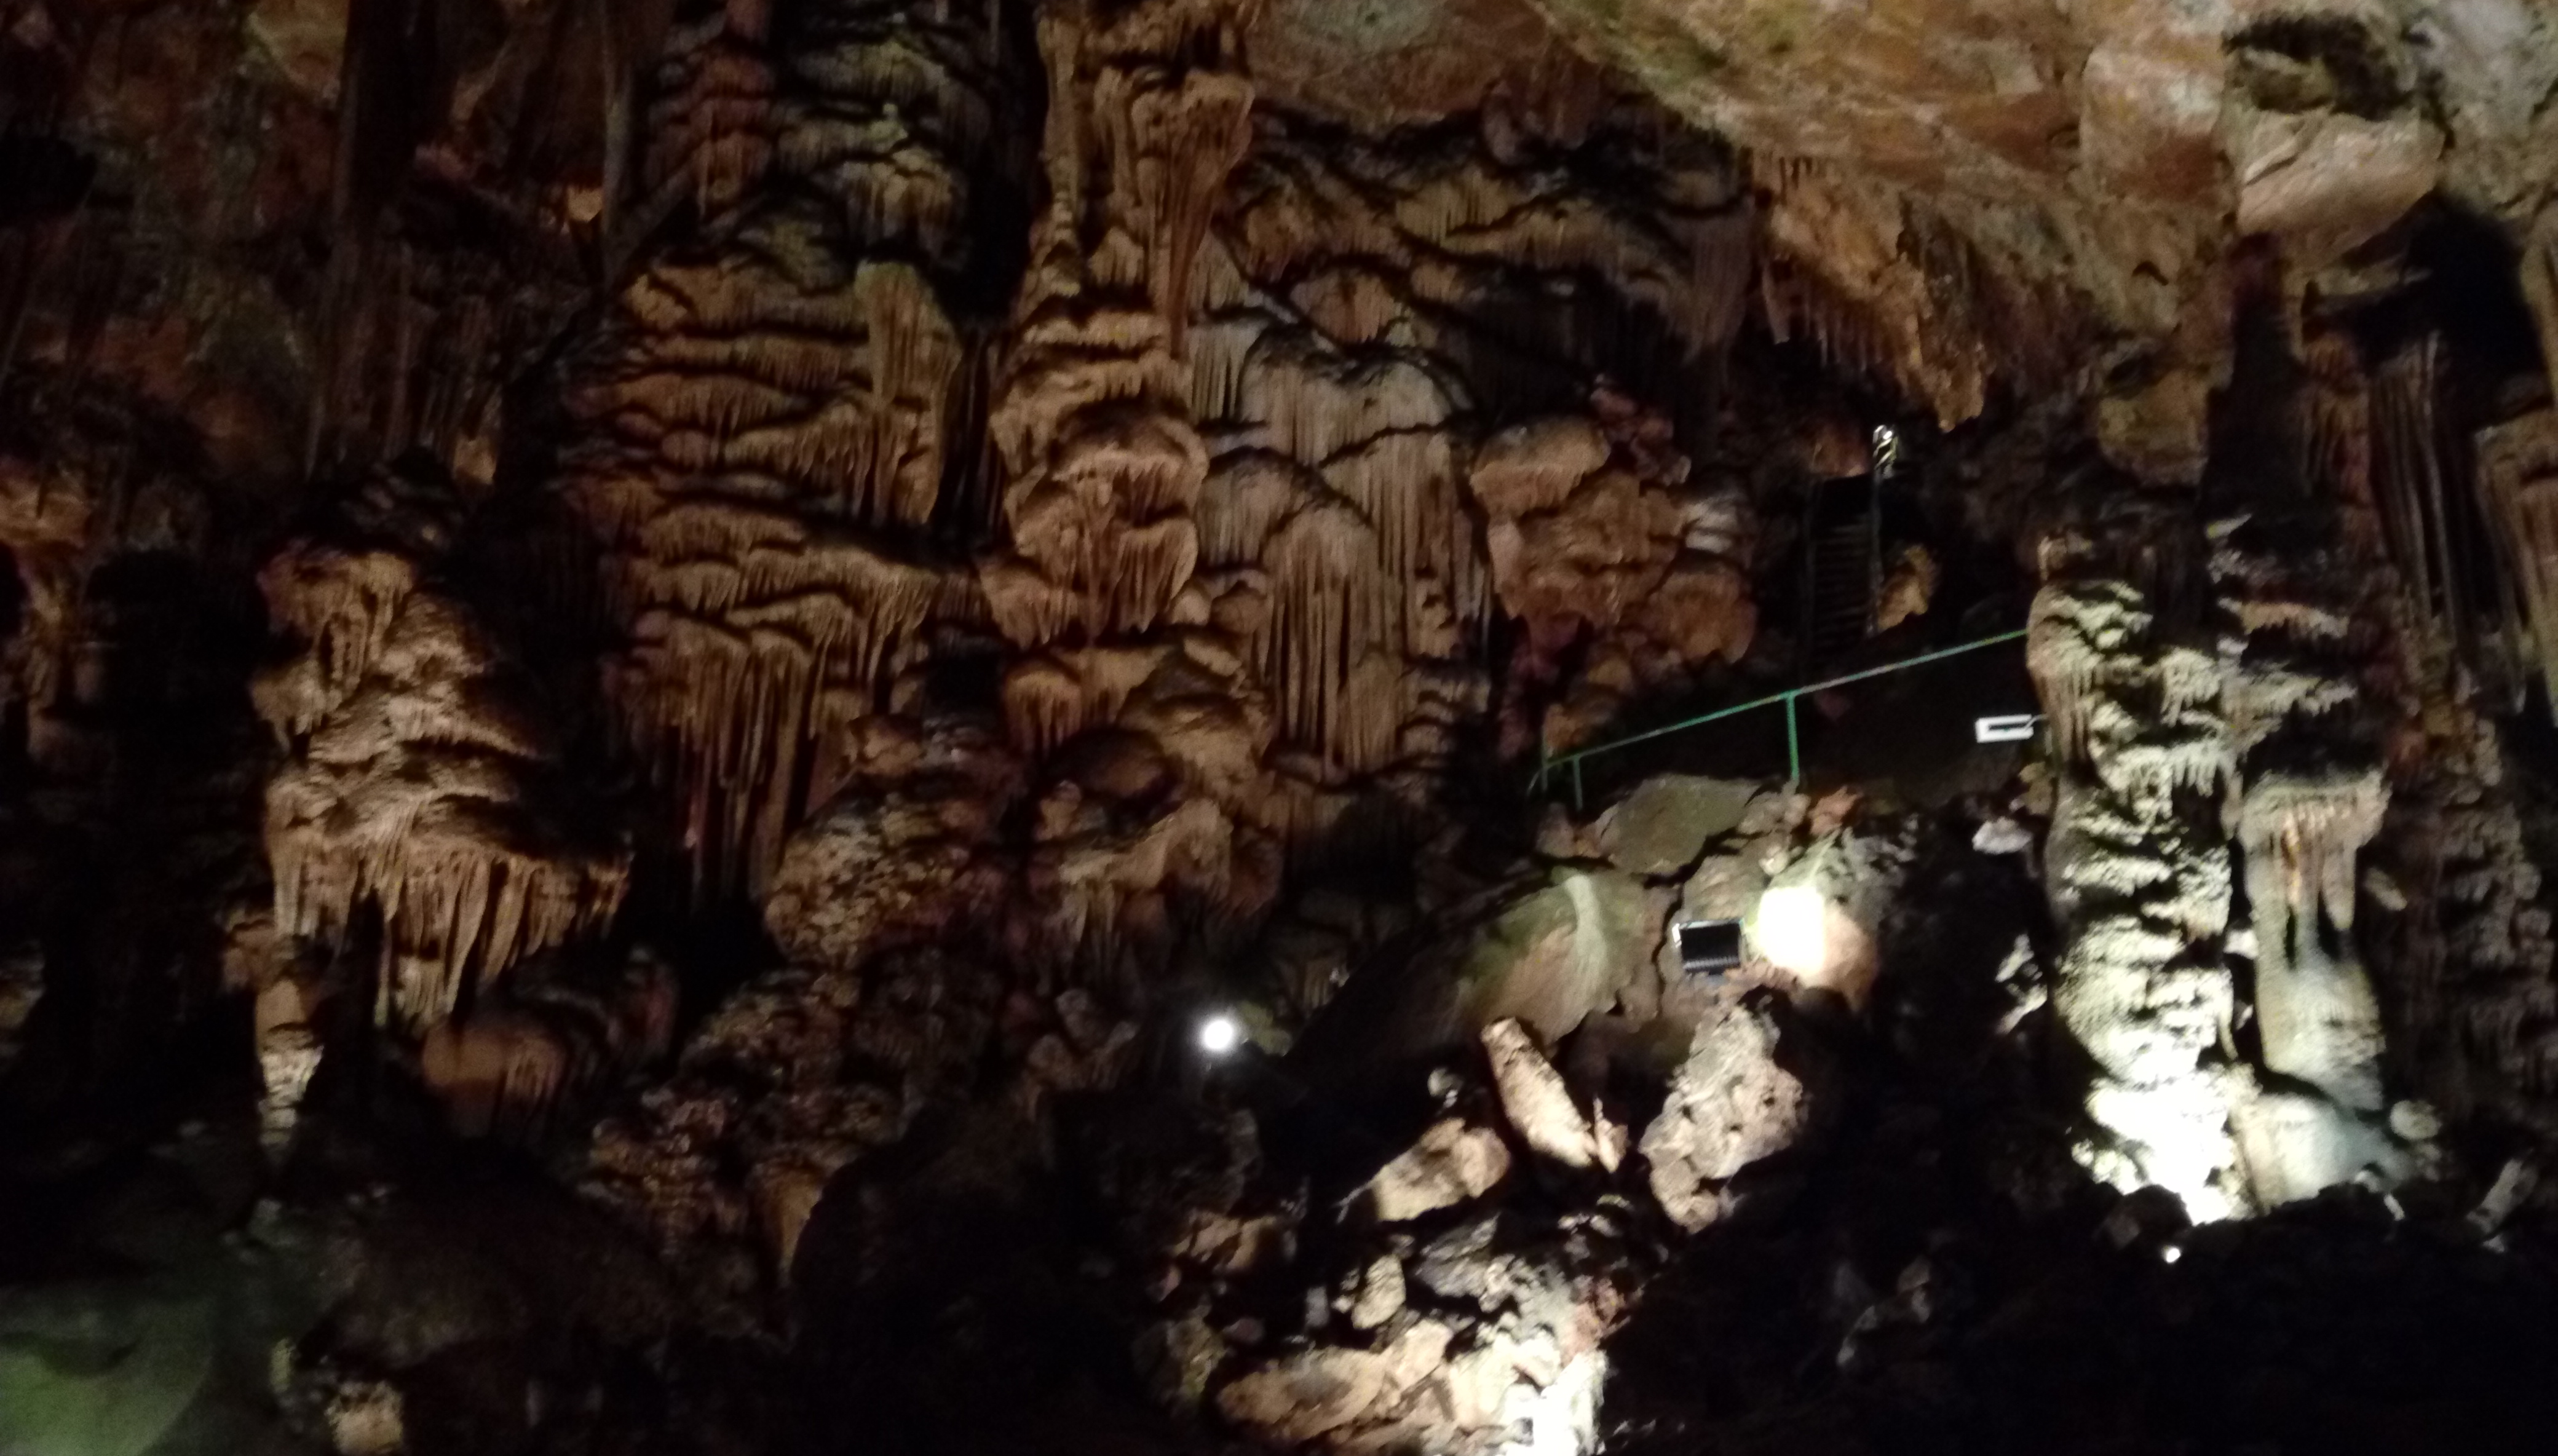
x: 1219, y: 1035
x: 2171, y: 1254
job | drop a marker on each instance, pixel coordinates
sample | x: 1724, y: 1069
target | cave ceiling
x: 1998, y: 200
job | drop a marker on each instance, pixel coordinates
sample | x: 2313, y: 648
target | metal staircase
x: 1843, y: 560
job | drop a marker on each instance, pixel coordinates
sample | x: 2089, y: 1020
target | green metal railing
x: 1547, y: 766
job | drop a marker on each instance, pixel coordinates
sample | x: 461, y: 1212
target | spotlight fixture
x: 1220, y: 1034
x: 1709, y: 947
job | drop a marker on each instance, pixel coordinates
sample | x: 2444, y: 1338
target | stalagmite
x: 1090, y: 530
x: 2312, y: 791
x: 289, y: 1044
x: 2315, y: 1009
x: 1538, y: 1105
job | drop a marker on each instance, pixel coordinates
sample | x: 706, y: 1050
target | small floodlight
x: 1220, y: 1034
x: 1793, y: 930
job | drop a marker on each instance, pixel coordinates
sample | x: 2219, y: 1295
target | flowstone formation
x: 1561, y: 497
x: 766, y: 424
x: 418, y: 782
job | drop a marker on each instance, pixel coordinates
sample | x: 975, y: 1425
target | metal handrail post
x: 1793, y: 744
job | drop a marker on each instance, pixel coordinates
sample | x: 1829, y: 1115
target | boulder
x: 2327, y: 180
x: 1560, y: 952
x: 1322, y: 1389
x: 1822, y: 917
x: 1730, y: 1107
x: 1661, y: 828
x: 1451, y: 1164
x: 1535, y: 1100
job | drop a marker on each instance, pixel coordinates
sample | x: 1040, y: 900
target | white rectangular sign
x: 2005, y: 728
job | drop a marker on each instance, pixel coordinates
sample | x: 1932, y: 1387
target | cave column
x: 2305, y: 747
x: 2139, y: 861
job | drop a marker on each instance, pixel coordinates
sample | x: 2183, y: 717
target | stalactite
x: 2517, y: 467
x: 708, y: 127
x: 2466, y: 960
x: 1886, y: 285
x: 423, y: 328
x: 1725, y: 249
x: 1685, y: 254
x: 416, y: 782
x: 1051, y: 697
x: 2536, y: 271
x: 2319, y: 1022
x: 1346, y: 335
x: 56, y: 524
x: 1334, y: 604
x: 1103, y: 464
x: 1380, y: 434
x: 1172, y: 138
x: 2298, y: 565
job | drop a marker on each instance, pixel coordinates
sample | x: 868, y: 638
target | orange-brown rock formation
x: 1592, y: 539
